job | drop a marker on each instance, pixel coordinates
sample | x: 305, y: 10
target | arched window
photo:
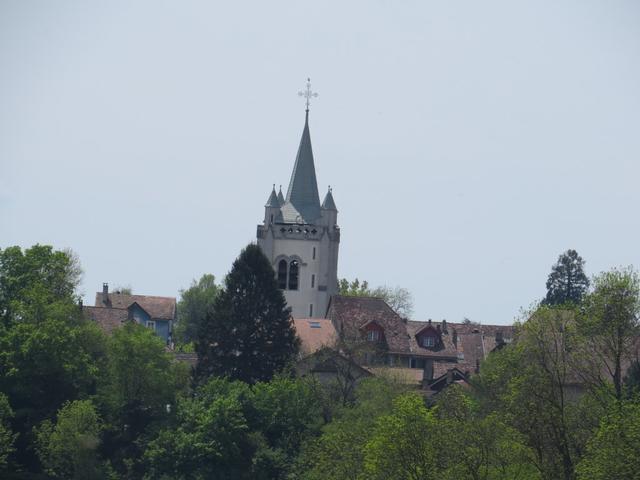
x: 282, y: 274
x: 293, y: 275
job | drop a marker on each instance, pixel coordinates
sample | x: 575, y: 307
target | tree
x: 567, y: 282
x: 7, y: 437
x: 404, y: 443
x: 480, y: 446
x: 398, y: 298
x: 530, y: 384
x: 211, y: 437
x: 49, y: 353
x: 612, y: 453
x: 609, y: 326
x: 339, y: 453
x: 68, y: 448
x: 193, y: 306
x: 35, y: 282
x: 138, y: 391
x: 248, y: 335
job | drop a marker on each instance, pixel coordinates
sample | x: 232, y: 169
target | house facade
x: 112, y: 309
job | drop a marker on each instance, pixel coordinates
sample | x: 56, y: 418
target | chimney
x: 455, y: 337
x: 429, y: 322
x: 105, y: 293
x: 444, y: 326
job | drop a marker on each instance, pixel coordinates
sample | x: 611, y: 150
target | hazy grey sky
x: 468, y: 142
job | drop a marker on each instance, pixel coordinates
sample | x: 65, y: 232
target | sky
x: 467, y: 143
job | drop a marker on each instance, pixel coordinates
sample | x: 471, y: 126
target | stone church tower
x: 301, y: 237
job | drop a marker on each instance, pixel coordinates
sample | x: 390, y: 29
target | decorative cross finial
x: 308, y: 94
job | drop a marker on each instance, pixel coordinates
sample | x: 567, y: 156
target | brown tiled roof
x: 476, y: 341
x: 446, y: 350
x: 163, y: 308
x: 108, y: 318
x: 350, y: 314
x: 314, y: 333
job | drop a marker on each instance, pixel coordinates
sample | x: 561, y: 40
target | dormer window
x: 373, y: 335
x: 428, y: 341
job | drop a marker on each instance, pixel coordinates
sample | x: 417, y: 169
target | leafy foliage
x: 567, y: 282
x: 248, y: 335
x: 137, y: 392
x: 35, y: 283
x: 67, y: 448
x: 612, y: 453
x: 194, y: 304
x: 7, y: 437
x: 610, y: 326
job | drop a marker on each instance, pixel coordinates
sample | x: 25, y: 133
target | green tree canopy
x: 35, y: 282
x: 567, y: 282
x: 68, y: 447
x: 248, y: 335
x: 610, y: 326
x: 193, y: 306
x: 7, y: 437
x: 612, y: 453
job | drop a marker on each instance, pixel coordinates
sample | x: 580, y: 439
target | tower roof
x: 328, y: 203
x: 273, y: 201
x: 302, y: 204
x: 280, y: 196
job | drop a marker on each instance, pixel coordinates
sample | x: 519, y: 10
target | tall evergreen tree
x: 248, y: 334
x: 567, y: 282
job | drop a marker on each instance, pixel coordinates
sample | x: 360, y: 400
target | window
x: 311, y: 310
x: 313, y: 281
x: 271, y: 219
x: 428, y: 341
x: 293, y: 275
x: 314, y: 324
x: 313, y: 257
x: 151, y: 324
x: 282, y: 274
x: 373, y: 335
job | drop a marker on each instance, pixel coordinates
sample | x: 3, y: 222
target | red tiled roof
x: 446, y: 350
x: 314, y: 333
x: 107, y: 318
x: 350, y: 314
x: 163, y: 308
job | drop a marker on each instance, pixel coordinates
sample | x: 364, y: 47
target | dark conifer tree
x: 248, y: 334
x: 567, y: 282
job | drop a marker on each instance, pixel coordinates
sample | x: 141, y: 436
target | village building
x: 300, y: 236
x: 428, y: 355
x: 113, y: 309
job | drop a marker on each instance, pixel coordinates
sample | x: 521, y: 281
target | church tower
x: 300, y: 236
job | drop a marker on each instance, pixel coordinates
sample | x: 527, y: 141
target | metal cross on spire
x: 308, y: 94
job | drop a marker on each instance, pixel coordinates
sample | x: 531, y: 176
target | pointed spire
x: 280, y: 196
x: 328, y: 203
x: 273, y: 201
x: 303, y: 187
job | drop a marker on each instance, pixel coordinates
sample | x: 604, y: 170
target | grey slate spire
x: 273, y: 201
x: 328, y: 203
x: 280, y: 196
x: 303, y: 187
